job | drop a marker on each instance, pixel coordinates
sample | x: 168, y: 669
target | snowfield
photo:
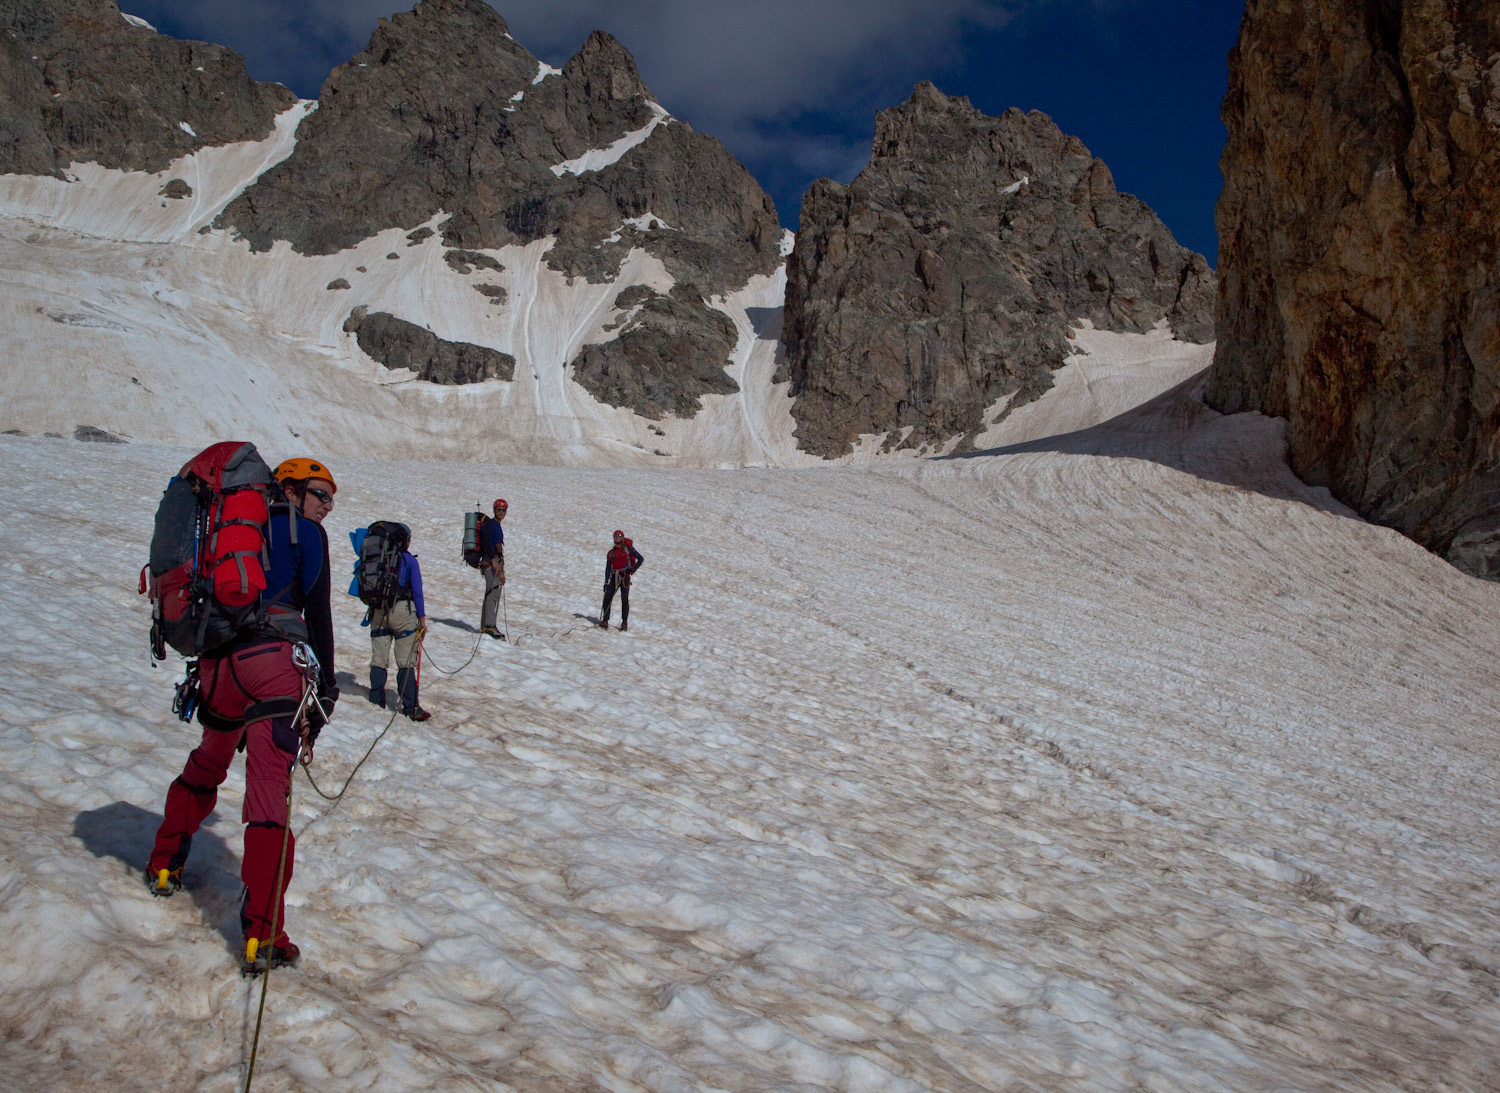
x: 1108, y: 757
x: 1115, y: 760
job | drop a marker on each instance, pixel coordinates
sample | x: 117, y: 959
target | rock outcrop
x: 445, y: 113
x: 1359, y: 295
x: 398, y: 344
x: 670, y: 351
x: 80, y: 83
x: 947, y: 274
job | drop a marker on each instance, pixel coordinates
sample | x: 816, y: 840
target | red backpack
x: 208, y: 566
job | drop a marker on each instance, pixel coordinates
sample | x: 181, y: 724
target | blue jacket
x: 298, y: 577
x: 409, y: 578
x: 491, y: 540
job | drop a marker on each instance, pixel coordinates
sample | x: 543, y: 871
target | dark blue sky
x: 792, y: 86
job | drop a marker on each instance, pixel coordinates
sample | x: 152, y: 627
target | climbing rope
x: 474, y: 652
x: 413, y: 658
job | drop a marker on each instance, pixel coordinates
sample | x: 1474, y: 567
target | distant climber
x: 492, y: 565
x: 621, y: 561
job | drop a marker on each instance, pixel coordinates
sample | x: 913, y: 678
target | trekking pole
x: 505, y: 611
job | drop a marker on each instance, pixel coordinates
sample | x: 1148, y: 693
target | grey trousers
x: 398, y: 626
x: 492, y: 583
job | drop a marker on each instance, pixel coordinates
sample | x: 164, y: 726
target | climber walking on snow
x: 389, y: 578
x: 621, y: 561
x: 248, y: 684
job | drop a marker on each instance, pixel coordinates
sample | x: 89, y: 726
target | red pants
x: 259, y: 678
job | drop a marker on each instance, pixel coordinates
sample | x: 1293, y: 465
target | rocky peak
x: 444, y: 112
x: 416, y: 56
x: 597, y: 98
x: 82, y: 84
x: 1361, y: 290
x: 604, y: 71
x: 946, y: 276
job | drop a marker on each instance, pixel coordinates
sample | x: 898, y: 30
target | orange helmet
x: 299, y: 470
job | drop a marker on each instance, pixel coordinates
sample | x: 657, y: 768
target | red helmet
x: 500, y: 503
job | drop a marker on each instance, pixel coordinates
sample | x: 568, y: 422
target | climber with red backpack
x: 621, y: 561
x: 243, y: 586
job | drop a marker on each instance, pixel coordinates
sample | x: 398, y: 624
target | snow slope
x: 121, y: 306
x: 1109, y: 761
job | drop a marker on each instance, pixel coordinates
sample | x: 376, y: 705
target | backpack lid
x: 391, y: 530
x: 229, y: 465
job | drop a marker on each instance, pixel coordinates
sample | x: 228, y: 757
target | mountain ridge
x: 604, y: 281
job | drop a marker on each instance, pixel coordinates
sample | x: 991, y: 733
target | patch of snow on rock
x: 596, y: 159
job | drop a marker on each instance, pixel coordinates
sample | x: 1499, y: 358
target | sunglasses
x: 322, y: 495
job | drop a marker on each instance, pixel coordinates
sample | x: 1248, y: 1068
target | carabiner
x: 304, y: 657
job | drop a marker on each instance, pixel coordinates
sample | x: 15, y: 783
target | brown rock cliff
x: 1359, y: 296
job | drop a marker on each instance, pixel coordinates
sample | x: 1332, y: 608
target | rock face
x: 397, y: 343
x: 442, y: 113
x: 445, y: 113
x: 671, y: 350
x: 947, y: 274
x: 78, y: 83
x: 1359, y: 295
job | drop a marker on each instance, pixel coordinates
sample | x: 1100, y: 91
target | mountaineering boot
x: 377, y: 686
x: 406, y: 683
x: 164, y: 882
x: 259, y: 957
x: 604, y: 624
x: 624, y: 625
x: 491, y: 631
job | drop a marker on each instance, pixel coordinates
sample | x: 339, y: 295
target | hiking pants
x: 398, y: 626
x: 621, y: 581
x: 249, y: 699
x: 493, y: 581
